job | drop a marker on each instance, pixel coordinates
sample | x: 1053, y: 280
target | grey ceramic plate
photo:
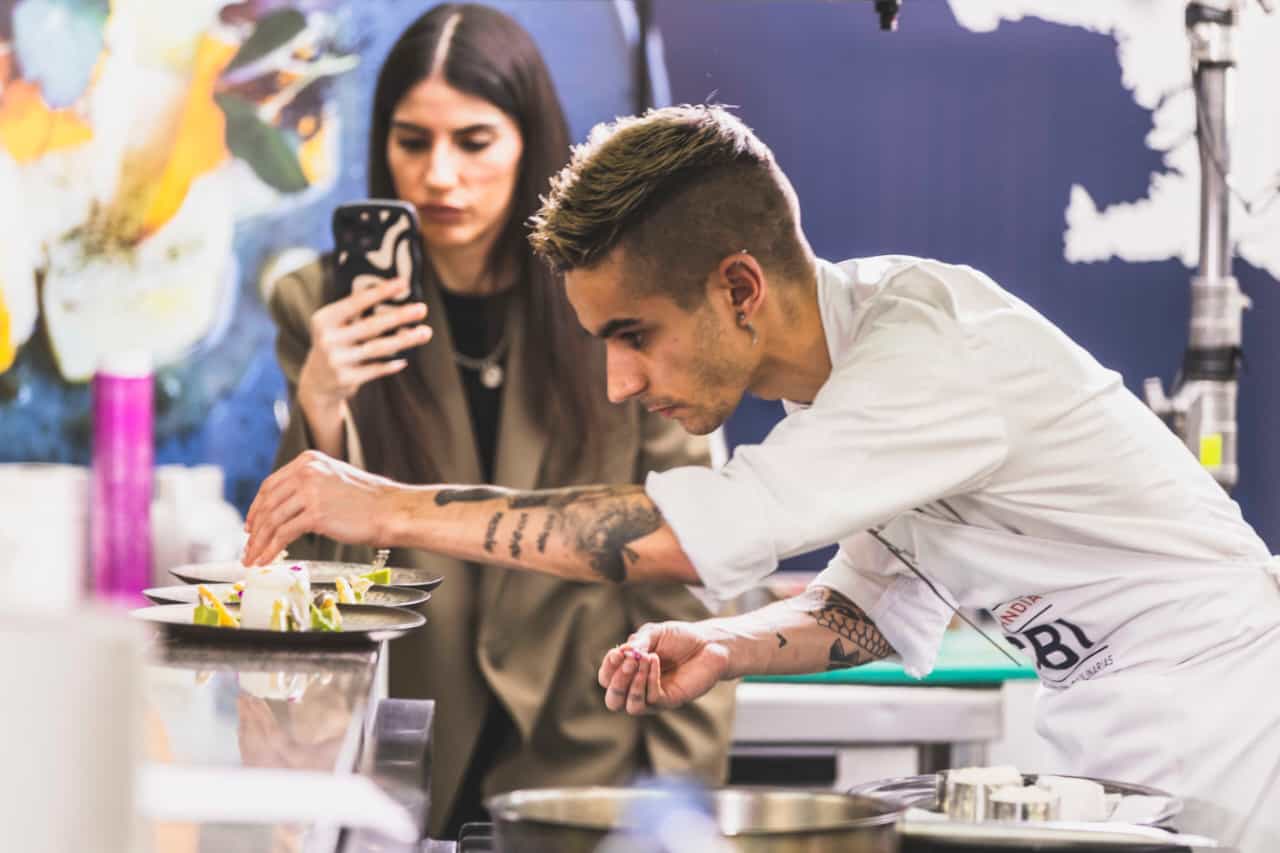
x: 387, y: 596
x: 362, y: 624
x: 322, y: 571
x: 921, y: 792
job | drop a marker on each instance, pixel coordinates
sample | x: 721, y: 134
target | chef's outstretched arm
x: 589, y: 533
x: 667, y: 664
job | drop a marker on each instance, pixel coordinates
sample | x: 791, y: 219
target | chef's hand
x: 347, y: 349
x: 663, y: 665
x: 316, y: 494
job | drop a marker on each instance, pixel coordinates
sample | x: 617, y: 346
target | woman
x: 467, y: 128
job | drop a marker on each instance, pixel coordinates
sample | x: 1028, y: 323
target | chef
x: 960, y: 449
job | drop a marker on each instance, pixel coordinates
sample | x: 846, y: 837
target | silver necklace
x: 491, y: 372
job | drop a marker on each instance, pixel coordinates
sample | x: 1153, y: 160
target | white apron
x: 1163, y: 674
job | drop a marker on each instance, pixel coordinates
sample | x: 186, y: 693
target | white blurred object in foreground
x: 71, y: 714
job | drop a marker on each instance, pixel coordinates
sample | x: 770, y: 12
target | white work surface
x: 873, y: 731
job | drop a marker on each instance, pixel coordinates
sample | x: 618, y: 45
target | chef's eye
x: 635, y: 340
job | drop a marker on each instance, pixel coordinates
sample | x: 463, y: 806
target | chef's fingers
x: 637, y: 702
x: 270, y: 533
x: 283, y: 535
x: 654, y: 687
x: 275, y: 481
x: 615, y: 694
x: 609, y: 665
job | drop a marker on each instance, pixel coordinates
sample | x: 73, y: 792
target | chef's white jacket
x: 1022, y: 477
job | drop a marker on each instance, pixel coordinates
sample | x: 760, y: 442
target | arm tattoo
x: 848, y: 620
x: 518, y: 534
x: 603, y: 536
x: 491, y: 535
x: 546, y: 531
x: 840, y: 659
x: 444, y: 497
x: 599, y: 522
x: 782, y: 641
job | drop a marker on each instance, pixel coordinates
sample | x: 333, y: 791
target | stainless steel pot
x: 778, y: 820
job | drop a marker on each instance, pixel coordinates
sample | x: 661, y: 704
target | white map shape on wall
x: 1155, y: 66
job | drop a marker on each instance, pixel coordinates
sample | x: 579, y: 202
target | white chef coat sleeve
x: 904, y: 419
x: 911, y: 616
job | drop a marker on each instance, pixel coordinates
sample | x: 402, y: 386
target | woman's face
x: 455, y: 158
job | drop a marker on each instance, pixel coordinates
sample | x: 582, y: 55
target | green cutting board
x: 965, y: 657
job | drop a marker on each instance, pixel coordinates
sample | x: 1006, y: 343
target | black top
x: 477, y: 326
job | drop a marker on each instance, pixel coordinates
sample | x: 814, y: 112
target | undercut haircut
x: 679, y: 188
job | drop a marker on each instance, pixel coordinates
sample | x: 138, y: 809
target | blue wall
x: 941, y: 142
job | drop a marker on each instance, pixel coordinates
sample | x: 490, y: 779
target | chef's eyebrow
x: 612, y: 327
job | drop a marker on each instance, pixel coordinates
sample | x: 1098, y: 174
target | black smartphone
x: 377, y: 240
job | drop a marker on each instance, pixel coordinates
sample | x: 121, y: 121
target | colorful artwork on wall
x: 157, y: 161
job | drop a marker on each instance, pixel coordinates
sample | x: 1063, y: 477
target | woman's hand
x: 663, y: 666
x: 346, y: 352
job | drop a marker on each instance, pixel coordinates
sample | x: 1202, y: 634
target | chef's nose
x: 624, y: 380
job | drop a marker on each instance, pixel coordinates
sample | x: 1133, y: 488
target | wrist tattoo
x: 840, y: 615
x: 517, y: 535
x: 491, y: 535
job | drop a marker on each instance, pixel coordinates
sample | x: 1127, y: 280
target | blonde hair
x: 684, y: 186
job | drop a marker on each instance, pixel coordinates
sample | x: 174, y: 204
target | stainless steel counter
x: 238, y: 706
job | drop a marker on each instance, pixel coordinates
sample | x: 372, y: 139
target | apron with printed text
x: 1154, y: 670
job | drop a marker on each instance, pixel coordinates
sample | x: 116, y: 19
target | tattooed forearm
x: 593, y: 526
x: 546, y: 532
x: 491, y: 535
x: 517, y: 535
x: 848, y: 620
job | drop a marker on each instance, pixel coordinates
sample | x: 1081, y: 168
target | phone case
x: 377, y: 240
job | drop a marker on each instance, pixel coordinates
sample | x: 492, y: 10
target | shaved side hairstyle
x: 679, y: 188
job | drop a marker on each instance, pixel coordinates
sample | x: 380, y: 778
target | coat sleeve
x: 292, y: 301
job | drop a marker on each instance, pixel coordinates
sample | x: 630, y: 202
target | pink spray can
x: 123, y: 442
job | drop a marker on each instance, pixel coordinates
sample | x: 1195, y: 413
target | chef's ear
x: 739, y: 283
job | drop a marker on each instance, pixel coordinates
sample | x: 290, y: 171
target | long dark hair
x: 492, y: 57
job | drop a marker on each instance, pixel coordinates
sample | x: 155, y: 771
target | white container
x: 73, y: 732
x: 190, y: 520
x: 44, y: 535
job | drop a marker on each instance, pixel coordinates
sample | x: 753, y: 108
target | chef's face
x: 685, y: 365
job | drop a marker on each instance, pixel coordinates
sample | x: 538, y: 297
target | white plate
x: 362, y: 624
x: 321, y: 571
